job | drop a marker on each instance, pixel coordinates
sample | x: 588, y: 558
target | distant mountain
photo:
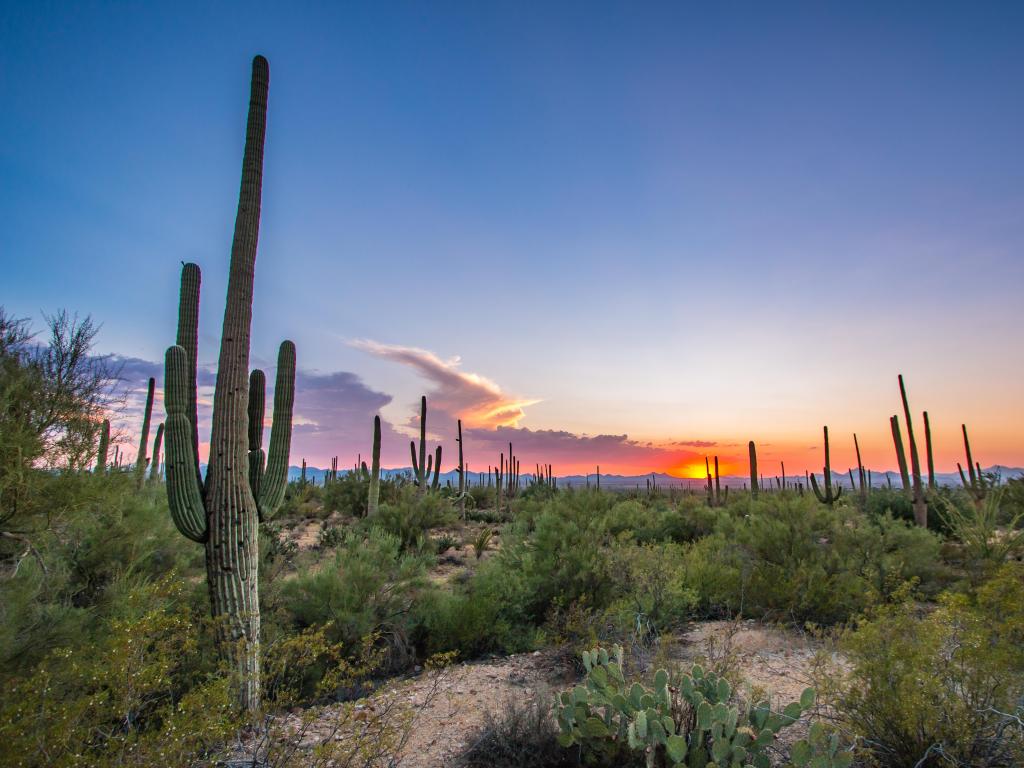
x: 665, y: 481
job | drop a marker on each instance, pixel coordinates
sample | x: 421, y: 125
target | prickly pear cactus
x: 688, y: 722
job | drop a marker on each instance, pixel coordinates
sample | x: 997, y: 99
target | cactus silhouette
x: 104, y: 447
x: 154, y: 468
x: 753, y: 469
x: 920, y: 507
x: 224, y: 513
x: 140, y: 459
x: 829, y: 496
x: 421, y: 469
x: 374, y: 492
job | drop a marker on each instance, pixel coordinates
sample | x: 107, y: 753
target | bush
x: 142, y: 695
x: 938, y: 688
x: 348, y: 494
x: 369, y: 589
x: 521, y: 734
x: 412, y: 515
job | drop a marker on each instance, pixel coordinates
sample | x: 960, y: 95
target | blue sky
x: 669, y: 221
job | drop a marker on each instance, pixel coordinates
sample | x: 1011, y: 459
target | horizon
x: 598, y: 236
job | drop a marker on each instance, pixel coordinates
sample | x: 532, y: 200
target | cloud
x: 695, y: 443
x: 477, y: 400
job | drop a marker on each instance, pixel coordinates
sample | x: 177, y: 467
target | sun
x: 691, y: 471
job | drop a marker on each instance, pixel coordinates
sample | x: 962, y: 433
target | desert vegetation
x: 286, y: 637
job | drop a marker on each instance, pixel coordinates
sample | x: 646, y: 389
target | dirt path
x: 450, y: 705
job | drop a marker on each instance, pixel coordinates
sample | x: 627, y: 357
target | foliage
x: 521, y: 734
x: 978, y: 527
x: 411, y: 515
x: 347, y: 494
x: 368, y: 590
x: 688, y: 721
x: 940, y: 687
x: 142, y: 695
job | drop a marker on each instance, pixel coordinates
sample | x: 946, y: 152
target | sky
x: 616, y: 233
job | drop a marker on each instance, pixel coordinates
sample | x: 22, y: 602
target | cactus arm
x: 415, y: 464
x: 437, y: 469
x: 932, y: 482
x: 901, y: 457
x: 372, y: 502
x: 275, y: 478
x: 817, y: 490
x: 257, y: 406
x: 188, y: 339
x: 154, y: 469
x: 184, y: 494
x: 970, y: 459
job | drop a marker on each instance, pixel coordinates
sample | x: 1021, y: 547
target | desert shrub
x: 143, y: 694
x: 794, y: 559
x: 651, y: 596
x: 988, y: 534
x: 347, y: 495
x: 368, y: 589
x: 520, y: 734
x: 467, y: 621
x: 939, y: 687
x: 412, y: 515
x: 330, y: 536
x: 444, y: 542
x: 302, y: 501
x: 481, y: 540
x: 106, y: 537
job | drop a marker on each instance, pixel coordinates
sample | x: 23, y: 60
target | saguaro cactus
x: 421, y: 469
x: 140, y: 459
x: 920, y: 506
x: 462, y: 475
x: 154, y: 467
x: 830, y: 496
x: 754, y: 486
x: 374, y: 492
x: 104, y: 447
x: 977, y: 486
x: 223, y: 514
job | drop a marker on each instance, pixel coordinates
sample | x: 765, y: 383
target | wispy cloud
x: 475, y: 399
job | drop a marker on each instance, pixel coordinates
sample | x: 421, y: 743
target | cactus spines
x: 225, y: 514
x: 753, y: 469
x: 901, y: 456
x: 830, y: 495
x: 920, y: 506
x: 154, y: 469
x: 140, y: 459
x: 104, y: 447
x: 374, y: 492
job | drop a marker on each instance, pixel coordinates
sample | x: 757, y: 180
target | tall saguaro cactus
x: 103, y: 448
x: 223, y: 515
x: 753, y: 469
x: 374, y: 492
x: 920, y: 506
x: 141, y: 460
x: 421, y: 469
x: 830, y: 495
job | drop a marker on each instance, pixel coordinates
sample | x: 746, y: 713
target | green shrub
x: 142, y: 695
x: 412, y: 515
x: 369, y: 589
x: 651, y: 596
x: 940, y: 687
